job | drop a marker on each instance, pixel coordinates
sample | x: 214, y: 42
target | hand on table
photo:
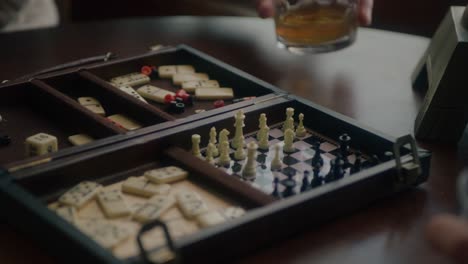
x: 265, y: 8
x: 449, y: 234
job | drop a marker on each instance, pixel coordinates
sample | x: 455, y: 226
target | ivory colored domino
x: 112, y: 203
x: 80, y: 139
x: 125, y: 122
x: 80, y: 194
x: 92, y: 104
x: 166, y: 174
x: 210, y: 219
x: 129, y: 90
x: 179, y: 78
x: 191, y: 86
x: 67, y: 212
x: 106, y: 234
x: 141, y: 186
x: 153, y: 208
x: 214, y: 93
x: 162, y: 255
x: 154, y: 93
x: 191, y: 204
x: 168, y: 71
x: 132, y: 79
x: 233, y: 212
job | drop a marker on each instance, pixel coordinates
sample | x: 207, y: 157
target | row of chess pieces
x: 221, y: 149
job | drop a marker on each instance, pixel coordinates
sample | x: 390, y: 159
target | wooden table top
x: 369, y: 82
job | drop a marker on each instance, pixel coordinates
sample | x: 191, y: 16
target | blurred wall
x: 410, y: 16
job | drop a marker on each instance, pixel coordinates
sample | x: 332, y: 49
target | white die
x: 40, y: 144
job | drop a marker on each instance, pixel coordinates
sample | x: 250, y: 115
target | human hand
x: 265, y: 8
x: 449, y: 234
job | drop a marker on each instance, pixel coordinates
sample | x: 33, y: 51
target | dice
x: 40, y: 144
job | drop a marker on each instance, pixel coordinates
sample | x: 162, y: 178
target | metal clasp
x: 163, y: 254
x: 409, y: 171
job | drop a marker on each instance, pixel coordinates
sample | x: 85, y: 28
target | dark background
x: 409, y: 16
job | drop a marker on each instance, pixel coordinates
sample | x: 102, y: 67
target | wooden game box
x: 274, y: 209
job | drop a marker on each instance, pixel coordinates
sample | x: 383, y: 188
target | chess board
x: 295, y: 164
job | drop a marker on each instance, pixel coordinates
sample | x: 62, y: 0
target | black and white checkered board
x: 295, y: 163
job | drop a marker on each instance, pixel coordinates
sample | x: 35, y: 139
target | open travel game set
x: 175, y: 156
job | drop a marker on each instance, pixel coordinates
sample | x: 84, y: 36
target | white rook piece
x: 289, y: 122
x: 239, y: 125
x: 196, y: 145
x: 250, y: 169
x: 276, y: 163
x: 301, y: 131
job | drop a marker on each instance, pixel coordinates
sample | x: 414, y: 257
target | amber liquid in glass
x: 314, y: 24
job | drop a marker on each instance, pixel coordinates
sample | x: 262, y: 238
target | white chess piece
x: 301, y: 131
x: 213, y: 141
x: 224, y: 159
x: 240, y: 153
x: 263, y: 133
x: 196, y: 145
x: 289, y: 122
x: 239, y: 134
x: 263, y: 143
x: 262, y: 125
x: 209, y: 153
x: 289, y: 141
x: 276, y: 163
x: 250, y: 169
x: 223, y: 137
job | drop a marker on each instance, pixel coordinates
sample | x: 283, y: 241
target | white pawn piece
x: 224, y: 159
x: 276, y: 163
x: 301, y: 131
x: 250, y: 169
x: 213, y: 141
x: 289, y: 122
x: 288, y: 141
x: 239, y: 125
x: 209, y: 153
x: 196, y: 145
x: 240, y: 153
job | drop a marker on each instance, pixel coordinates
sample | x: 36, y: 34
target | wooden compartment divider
x: 135, y: 102
x: 242, y: 191
x: 73, y: 104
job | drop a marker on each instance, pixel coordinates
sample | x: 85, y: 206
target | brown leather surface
x: 369, y: 82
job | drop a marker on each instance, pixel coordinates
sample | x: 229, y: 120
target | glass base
x: 302, y: 49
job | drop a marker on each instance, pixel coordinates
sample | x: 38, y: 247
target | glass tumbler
x: 315, y: 26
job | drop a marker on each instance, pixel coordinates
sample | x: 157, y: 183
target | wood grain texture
x: 369, y: 81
